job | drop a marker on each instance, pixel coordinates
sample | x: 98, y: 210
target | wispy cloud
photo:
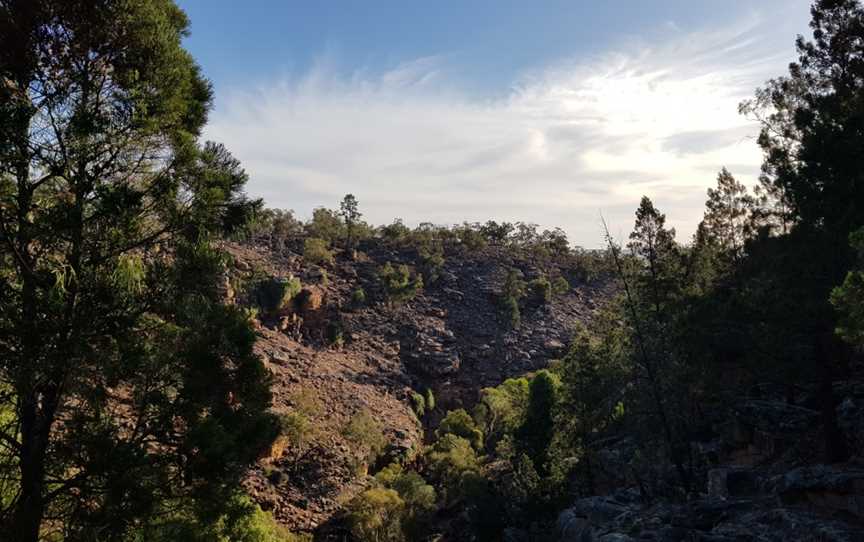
x: 568, y: 141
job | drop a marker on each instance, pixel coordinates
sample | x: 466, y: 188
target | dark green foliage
x: 110, y: 276
x: 535, y: 434
x: 540, y: 290
x: 419, y: 499
x: 398, y: 284
x: 848, y: 299
x: 512, y: 293
x: 396, y: 232
x: 431, y: 264
x: 273, y: 294
x: 358, y: 297
x: 350, y: 213
x: 460, y: 423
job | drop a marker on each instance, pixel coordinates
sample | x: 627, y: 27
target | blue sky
x: 548, y: 111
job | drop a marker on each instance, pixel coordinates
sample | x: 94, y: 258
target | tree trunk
x: 28, y: 512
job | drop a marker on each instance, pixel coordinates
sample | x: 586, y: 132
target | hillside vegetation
x: 179, y: 362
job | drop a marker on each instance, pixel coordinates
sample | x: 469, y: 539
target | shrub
x: 541, y: 290
x: 419, y: 498
x: 418, y: 404
x: 560, y: 286
x: 432, y: 263
x: 375, y: 515
x: 512, y: 292
x: 395, y: 232
x: 451, y: 459
x: 358, y: 297
x: 244, y: 521
x: 367, y: 435
x: 317, y: 251
x: 326, y: 225
x: 510, y: 308
x: 398, y: 284
x: 460, y: 423
x: 430, y: 399
x: 273, y: 294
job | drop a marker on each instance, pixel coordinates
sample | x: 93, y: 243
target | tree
x: 812, y: 119
x: 375, y: 515
x: 351, y: 215
x: 654, y: 245
x: 727, y: 215
x: 131, y: 386
x: 535, y: 434
x: 848, y: 298
x: 811, y: 140
x: 325, y: 224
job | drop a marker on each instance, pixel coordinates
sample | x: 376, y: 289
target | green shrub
x: 398, y: 284
x: 419, y: 498
x: 358, y: 297
x: 376, y: 516
x: 541, y: 290
x: 460, y: 423
x: 432, y: 263
x: 512, y: 293
x: 273, y: 294
x: 560, y: 286
x: 326, y: 225
x: 510, y: 308
x: 451, y: 460
x: 418, y: 404
x: 317, y: 251
x: 430, y: 399
x: 368, y: 437
x: 244, y: 521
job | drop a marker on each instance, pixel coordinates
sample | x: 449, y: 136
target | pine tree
x: 130, y: 387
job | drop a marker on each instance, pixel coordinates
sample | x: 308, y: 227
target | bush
x: 510, y: 308
x: 367, y: 435
x: 418, y: 404
x: 244, y: 521
x: 326, y: 225
x: 450, y: 460
x: 430, y: 399
x: 274, y: 294
x: 317, y: 251
x: 432, y: 263
x: 419, y: 498
x: 358, y: 297
x: 460, y: 423
x: 398, y: 284
x: 560, y: 286
x: 375, y: 516
x: 511, y: 294
x: 541, y: 290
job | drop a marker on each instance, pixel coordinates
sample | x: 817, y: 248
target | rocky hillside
x: 761, y: 480
x: 335, y: 357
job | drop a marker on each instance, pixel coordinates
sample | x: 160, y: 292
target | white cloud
x: 569, y: 140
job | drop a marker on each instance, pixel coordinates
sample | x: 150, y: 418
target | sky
x: 552, y: 112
